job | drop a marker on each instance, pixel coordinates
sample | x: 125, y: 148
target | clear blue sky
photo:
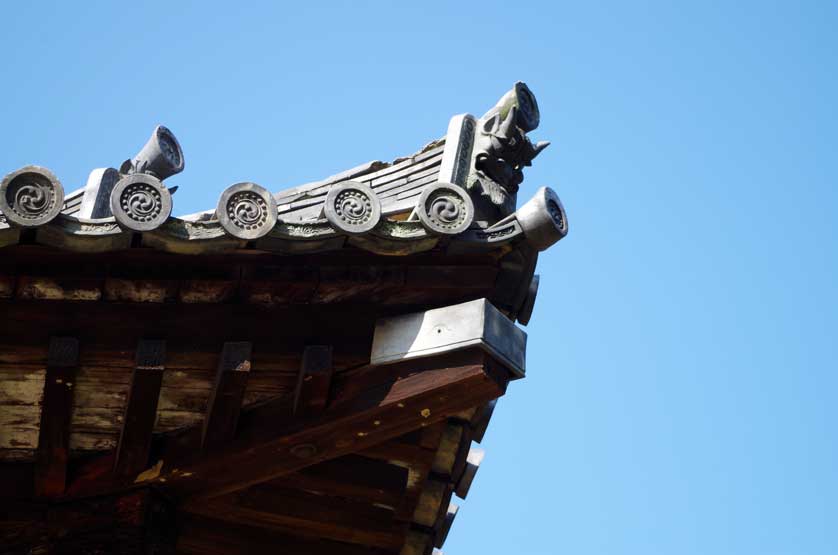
x: 681, y: 396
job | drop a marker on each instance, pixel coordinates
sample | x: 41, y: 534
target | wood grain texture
x: 352, y: 477
x: 370, y: 405
x: 141, y: 408
x: 225, y: 401
x: 21, y: 395
x: 305, y: 514
x: 315, y: 378
x: 54, y: 437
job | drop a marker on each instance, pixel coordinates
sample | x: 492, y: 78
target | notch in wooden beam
x: 141, y: 408
x: 54, y: 434
x: 314, y: 381
x: 225, y: 401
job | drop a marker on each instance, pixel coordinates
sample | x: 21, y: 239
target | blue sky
x: 681, y: 396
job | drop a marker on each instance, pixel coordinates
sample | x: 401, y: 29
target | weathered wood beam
x: 401, y: 451
x: 303, y: 514
x: 115, y: 325
x: 414, y: 452
x: 227, y: 393
x: 312, y: 393
x: 352, y: 477
x: 370, y: 405
x: 140, y: 408
x: 54, y: 437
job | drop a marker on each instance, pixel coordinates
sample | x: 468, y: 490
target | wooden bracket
x: 370, y: 406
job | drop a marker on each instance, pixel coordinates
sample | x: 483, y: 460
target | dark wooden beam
x: 312, y: 392
x: 227, y: 393
x: 352, y: 477
x: 208, y: 536
x: 433, y: 503
x: 399, y: 452
x: 54, y: 436
x: 370, y: 405
x: 305, y: 514
x: 141, y: 408
x: 416, y: 452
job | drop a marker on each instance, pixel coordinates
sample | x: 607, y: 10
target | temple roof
x: 303, y: 370
x: 457, y: 193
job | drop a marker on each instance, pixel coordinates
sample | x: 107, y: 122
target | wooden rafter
x: 225, y: 400
x: 315, y: 378
x: 316, y: 516
x: 54, y: 437
x: 353, y: 477
x: 370, y: 405
x: 141, y: 408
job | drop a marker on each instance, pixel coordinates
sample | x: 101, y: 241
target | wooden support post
x: 141, y: 408
x: 225, y: 401
x: 54, y: 435
x: 312, y: 393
